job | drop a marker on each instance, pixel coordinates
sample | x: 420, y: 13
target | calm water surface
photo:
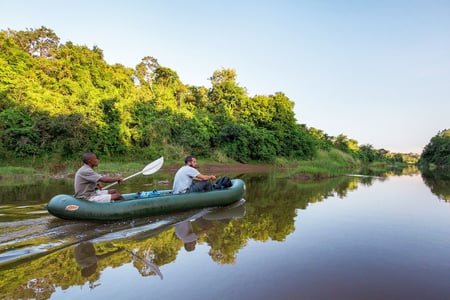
x: 353, y: 237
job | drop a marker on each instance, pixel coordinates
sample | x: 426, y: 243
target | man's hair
x: 86, y: 156
x: 188, y: 158
x: 190, y: 246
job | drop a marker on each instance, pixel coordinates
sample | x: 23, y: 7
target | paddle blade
x: 153, y: 166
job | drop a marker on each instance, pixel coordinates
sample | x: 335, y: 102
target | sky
x: 377, y: 71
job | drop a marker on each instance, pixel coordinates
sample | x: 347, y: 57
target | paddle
x: 151, y: 168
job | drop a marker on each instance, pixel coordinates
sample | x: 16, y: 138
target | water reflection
x: 57, y: 254
x: 87, y: 258
x: 148, y: 267
x: 146, y: 244
x: 388, y: 171
x: 438, y: 182
x: 185, y: 231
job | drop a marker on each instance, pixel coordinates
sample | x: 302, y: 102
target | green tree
x: 226, y: 97
x: 67, y: 99
x: 342, y: 142
x: 17, y: 133
x: 323, y: 140
x: 367, y: 153
x: 40, y: 42
x: 437, y: 151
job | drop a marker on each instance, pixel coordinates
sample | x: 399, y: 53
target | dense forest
x: 59, y: 100
x: 436, y: 153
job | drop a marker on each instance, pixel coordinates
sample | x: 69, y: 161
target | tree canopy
x: 63, y: 99
x: 437, y: 151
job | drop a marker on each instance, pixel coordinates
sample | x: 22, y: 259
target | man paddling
x: 87, y: 181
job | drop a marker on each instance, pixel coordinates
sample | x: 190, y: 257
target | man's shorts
x: 101, y: 196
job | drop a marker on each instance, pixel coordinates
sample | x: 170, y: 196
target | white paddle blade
x: 153, y: 166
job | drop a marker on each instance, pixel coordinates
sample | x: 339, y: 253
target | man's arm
x: 111, y: 179
x: 204, y: 177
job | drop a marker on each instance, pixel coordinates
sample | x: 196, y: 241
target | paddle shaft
x: 149, y: 169
x: 116, y: 182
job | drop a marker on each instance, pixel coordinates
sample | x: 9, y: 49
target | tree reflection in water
x: 438, y: 182
x: 269, y: 213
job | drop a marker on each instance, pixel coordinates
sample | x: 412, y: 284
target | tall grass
x: 326, y: 164
x: 67, y: 168
x: 12, y: 171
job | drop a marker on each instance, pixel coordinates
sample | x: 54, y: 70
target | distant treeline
x: 60, y: 100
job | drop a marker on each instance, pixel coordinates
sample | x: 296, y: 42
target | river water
x: 351, y: 237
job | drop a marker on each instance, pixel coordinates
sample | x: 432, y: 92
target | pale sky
x: 376, y: 71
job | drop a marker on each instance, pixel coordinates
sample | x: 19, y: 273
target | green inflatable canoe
x: 143, y: 204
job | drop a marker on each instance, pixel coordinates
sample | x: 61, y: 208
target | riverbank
x: 326, y: 164
x: 124, y: 169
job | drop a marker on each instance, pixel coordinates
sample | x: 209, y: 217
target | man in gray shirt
x: 87, y: 181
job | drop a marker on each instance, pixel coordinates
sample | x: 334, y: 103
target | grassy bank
x: 65, y: 169
x: 326, y: 164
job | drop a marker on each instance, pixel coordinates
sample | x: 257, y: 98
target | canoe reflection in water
x: 87, y: 258
x: 149, y: 267
x: 189, y: 231
x: 185, y: 231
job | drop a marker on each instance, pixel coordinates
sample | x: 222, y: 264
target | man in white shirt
x: 189, y: 180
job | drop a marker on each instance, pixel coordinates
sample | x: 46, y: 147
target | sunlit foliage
x: 437, y: 152
x: 63, y: 99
